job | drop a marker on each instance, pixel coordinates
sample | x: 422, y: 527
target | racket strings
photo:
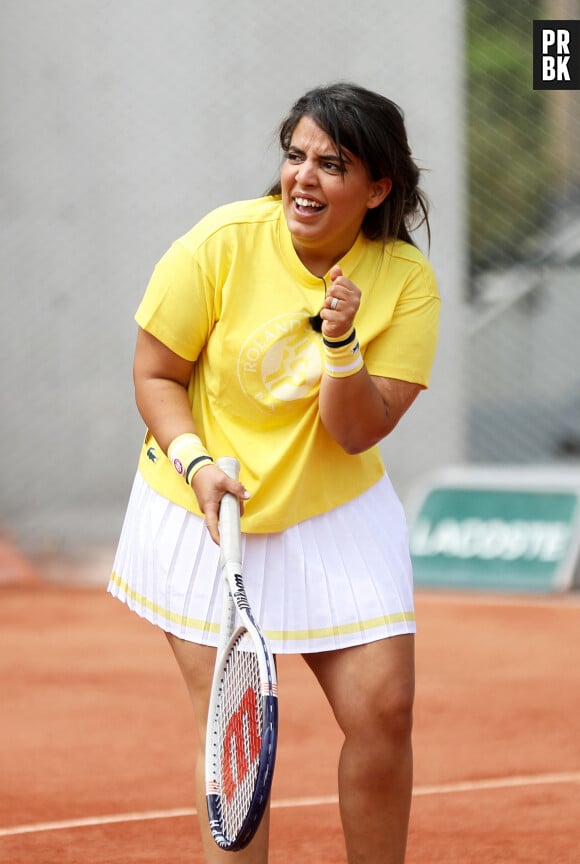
x: 239, y: 737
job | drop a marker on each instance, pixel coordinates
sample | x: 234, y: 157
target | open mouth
x: 306, y: 206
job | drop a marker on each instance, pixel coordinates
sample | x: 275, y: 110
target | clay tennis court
x: 96, y: 751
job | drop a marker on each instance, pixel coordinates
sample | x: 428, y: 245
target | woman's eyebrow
x: 324, y: 156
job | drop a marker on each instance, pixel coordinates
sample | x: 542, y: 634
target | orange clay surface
x: 97, y: 743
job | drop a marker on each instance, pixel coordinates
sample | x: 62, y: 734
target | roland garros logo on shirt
x: 281, y: 362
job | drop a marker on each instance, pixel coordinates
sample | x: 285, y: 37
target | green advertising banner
x: 496, y: 537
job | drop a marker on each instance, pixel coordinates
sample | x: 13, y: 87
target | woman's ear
x: 379, y: 191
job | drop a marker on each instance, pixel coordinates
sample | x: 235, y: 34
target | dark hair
x: 371, y: 127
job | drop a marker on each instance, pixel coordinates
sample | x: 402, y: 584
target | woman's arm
x: 161, y: 378
x: 357, y: 410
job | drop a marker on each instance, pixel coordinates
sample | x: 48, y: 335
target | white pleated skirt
x: 339, y: 579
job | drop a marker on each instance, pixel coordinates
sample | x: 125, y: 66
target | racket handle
x: 230, y: 466
x: 229, y: 518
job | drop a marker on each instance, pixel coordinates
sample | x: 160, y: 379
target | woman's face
x: 325, y: 203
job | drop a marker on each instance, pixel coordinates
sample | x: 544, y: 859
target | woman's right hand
x: 210, y: 484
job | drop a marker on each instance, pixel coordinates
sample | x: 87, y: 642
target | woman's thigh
x: 196, y: 663
x: 369, y: 686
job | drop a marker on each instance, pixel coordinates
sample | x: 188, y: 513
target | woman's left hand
x: 340, y: 306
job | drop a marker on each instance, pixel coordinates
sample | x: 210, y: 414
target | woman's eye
x: 293, y: 157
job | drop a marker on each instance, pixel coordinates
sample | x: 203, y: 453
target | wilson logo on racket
x: 240, y: 594
x: 242, y: 743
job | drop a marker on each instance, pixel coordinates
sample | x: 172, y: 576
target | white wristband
x: 188, y: 455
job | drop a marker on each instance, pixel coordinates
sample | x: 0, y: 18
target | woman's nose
x: 306, y: 174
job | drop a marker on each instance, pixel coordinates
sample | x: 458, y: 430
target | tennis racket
x: 243, y: 708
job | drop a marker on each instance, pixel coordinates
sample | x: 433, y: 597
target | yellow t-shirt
x: 233, y: 296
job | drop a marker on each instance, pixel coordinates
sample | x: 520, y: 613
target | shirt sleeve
x: 178, y: 306
x: 405, y: 349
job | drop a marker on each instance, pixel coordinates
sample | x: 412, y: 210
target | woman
x: 247, y: 347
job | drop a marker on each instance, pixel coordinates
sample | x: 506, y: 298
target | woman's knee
x: 385, y: 715
x: 395, y: 713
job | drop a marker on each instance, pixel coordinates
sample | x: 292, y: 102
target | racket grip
x: 230, y: 466
x: 229, y: 518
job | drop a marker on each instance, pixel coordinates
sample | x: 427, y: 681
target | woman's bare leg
x: 196, y: 663
x: 371, y: 690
